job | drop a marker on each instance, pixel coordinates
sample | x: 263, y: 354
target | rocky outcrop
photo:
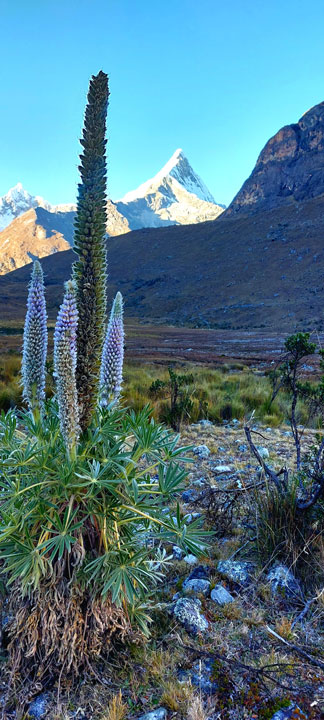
x: 289, y: 169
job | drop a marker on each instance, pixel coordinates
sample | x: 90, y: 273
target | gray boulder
x: 191, y: 517
x: 39, y: 707
x: 189, y: 496
x: 196, y: 586
x: 187, y: 611
x: 283, y: 583
x: 221, y: 596
x: 158, y: 714
x: 177, y: 552
x: 239, y: 571
x: 202, y: 451
x: 263, y: 452
x: 190, y: 559
x: 200, y: 482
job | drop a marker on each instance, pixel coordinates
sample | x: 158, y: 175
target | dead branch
x: 268, y: 471
x: 317, y: 477
x: 298, y: 650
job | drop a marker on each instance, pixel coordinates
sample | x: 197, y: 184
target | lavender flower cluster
x: 35, y: 343
x: 111, y: 372
x: 65, y: 358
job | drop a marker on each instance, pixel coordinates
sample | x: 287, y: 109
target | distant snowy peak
x: 179, y: 168
x: 15, y: 202
x: 176, y: 195
x: 18, y: 201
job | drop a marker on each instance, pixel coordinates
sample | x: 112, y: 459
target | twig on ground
x: 298, y: 650
x: 241, y: 548
x: 260, y: 672
x: 306, y: 608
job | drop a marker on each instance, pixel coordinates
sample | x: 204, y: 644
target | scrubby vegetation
x: 216, y: 394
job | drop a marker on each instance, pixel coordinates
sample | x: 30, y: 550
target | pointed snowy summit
x: 178, y: 168
x: 176, y: 195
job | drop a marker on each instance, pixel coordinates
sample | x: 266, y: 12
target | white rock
x: 221, y: 596
x: 190, y: 559
x: 222, y: 469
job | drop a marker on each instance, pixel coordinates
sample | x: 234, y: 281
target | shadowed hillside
x: 259, y: 271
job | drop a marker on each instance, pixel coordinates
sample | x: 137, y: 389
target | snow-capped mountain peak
x: 15, y: 191
x: 175, y: 195
x: 178, y: 168
x: 18, y: 200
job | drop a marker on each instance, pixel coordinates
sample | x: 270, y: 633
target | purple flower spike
x: 65, y: 358
x: 111, y: 373
x: 35, y: 343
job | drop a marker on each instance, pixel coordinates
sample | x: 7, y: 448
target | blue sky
x: 215, y: 78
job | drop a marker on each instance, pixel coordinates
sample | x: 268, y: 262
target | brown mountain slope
x: 39, y: 232
x: 289, y: 169
x: 36, y: 233
x: 258, y: 271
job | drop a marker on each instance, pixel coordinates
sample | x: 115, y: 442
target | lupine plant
x: 65, y: 358
x: 111, y: 373
x: 84, y: 537
x: 89, y: 271
x: 35, y: 343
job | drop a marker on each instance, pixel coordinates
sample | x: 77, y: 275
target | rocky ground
x: 234, y: 637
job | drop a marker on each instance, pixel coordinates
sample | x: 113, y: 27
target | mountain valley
x: 256, y: 266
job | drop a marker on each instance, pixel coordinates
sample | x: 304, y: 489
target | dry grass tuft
x: 176, y: 696
x: 159, y: 663
x: 116, y: 709
x: 63, y: 624
x: 283, y: 628
x: 196, y: 710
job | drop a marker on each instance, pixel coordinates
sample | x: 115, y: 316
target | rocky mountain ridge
x: 289, y: 169
x: 35, y: 233
x: 251, y: 271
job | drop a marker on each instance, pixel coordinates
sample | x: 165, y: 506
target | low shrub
x: 284, y: 533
